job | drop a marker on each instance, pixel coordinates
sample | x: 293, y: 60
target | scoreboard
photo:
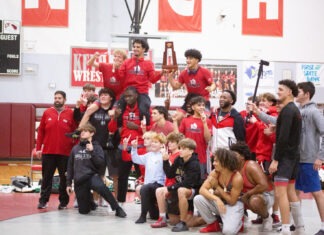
x: 10, y: 58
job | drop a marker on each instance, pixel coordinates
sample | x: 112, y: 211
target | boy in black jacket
x: 186, y: 170
x: 85, y: 166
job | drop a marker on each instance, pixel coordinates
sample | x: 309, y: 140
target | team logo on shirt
x: 193, y: 83
x: 112, y: 80
x: 194, y: 128
x: 131, y: 116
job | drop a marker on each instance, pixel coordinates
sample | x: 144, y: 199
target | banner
x: 262, y: 17
x: 45, y: 13
x: 180, y: 15
x: 10, y: 47
x: 311, y: 73
x: 250, y: 74
x: 80, y: 72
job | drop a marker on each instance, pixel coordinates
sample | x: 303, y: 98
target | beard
x: 225, y: 105
x: 58, y: 105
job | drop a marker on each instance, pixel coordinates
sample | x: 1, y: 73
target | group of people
x: 219, y: 162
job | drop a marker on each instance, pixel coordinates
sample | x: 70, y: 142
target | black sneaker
x: 62, y: 207
x: 42, y: 205
x: 120, y: 212
x: 140, y: 220
x: 181, y: 226
x: 75, y: 134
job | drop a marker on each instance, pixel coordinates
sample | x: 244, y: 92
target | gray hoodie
x: 312, y: 135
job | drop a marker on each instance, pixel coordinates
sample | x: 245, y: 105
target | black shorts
x: 288, y: 168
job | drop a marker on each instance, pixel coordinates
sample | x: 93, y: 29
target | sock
x: 275, y: 213
x: 295, y: 208
x: 162, y: 215
x: 322, y: 225
x: 285, y: 228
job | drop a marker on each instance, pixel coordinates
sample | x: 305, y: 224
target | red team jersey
x: 197, y: 82
x: 193, y: 128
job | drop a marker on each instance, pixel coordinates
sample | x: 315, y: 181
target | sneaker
x: 266, y: 225
x: 140, y: 220
x: 102, y: 202
x: 137, y: 200
x: 258, y: 220
x: 120, y: 212
x: 321, y: 232
x: 62, y: 207
x: 42, y: 205
x: 275, y: 221
x: 300, y: 231
x: 292, y: 228
x: 75, y: 204
x: 159, y: 224
x: 181, y: 226
x: 214, y: 227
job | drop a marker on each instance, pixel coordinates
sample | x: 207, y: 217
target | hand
x: 273, y: 167
x: 221, y: 206
x: 132, y: 125
x: 134, y: 143
x: 143, y: 123
x: 125, y: 142
x: 203, y: 117
x: 245, y: 198
x: 167, y: 101
x: 318, y: 164
x: 252, y: 119
x: 89, y: 147
x: 69, y: 190
x: 209, y: 89
x: 270, y: 129
x: 165, y: 153
x: 111, y: 113
x: 252, y: 107
x: 39, y: 154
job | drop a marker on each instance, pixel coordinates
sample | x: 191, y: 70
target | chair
x: 34, y: 168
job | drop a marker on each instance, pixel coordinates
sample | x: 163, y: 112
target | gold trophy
x: 169, y: 57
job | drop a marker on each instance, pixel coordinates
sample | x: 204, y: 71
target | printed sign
x: 9, y: 47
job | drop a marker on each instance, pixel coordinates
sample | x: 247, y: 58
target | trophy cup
x: 169, y: 57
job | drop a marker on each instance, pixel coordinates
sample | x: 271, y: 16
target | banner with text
x: 80, y: 72
x: 10, y: 47
x: 311, y: 73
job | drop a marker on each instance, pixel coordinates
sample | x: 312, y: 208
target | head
x: 227, y: 99
x: 131, y: 95
x: 193, y: 57
x: 59, y: 99
x: 147, y: 137
x: 173, y: 140
x: 158, y: 113
x: 91, y: 99
x: 88, y: 89
x: 250, y: 99
x: 267, y: 100
x: 198, y: 104
x: 187, y: 102
x: 225, y: 159
x: 242, y: 151
x: 158, y: 140
x: 119, y: 56
x: 306, y: 91
x: 87, y: 131
x: 140, y: 46
x: 187, y: 147
x: 287, y: 90
x: 106, y: 96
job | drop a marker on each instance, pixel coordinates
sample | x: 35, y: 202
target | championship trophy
x: 169, y: 57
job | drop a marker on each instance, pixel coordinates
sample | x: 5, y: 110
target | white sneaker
x: 266, y: 225
x: 300, y: 231
x: 103, y: 202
